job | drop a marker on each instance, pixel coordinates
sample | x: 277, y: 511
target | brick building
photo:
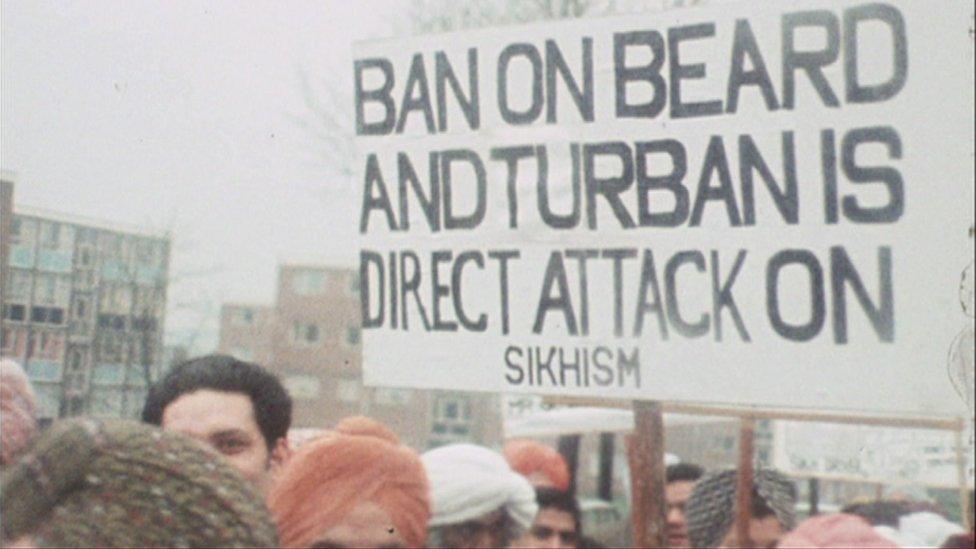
x: 83, y: 310
x: 311, y: 338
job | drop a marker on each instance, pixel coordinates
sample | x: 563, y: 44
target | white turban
x: 468, y: 481
x: 921, y: 529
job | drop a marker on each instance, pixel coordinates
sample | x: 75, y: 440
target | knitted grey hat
x: 711, y: 508
x: 115, y: 483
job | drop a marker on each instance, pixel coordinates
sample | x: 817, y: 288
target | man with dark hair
x: 680, y: 481
x: 236, y: 408
x: 556, y: 526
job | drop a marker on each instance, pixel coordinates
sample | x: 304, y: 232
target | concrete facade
x: 83, y: 311
x: 6, y: 222
x: 310, y: 337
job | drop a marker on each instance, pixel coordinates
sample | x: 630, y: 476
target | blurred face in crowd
x: 359, y: 528
x: 225, y: 423
x: 552, y: 529
x: 676, y: 495
x: 485, y: 532
x: 765, y: 533
x: 23, y: 542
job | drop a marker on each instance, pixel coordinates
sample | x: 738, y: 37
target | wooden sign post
x: 744, y: 480
x: 645, y: 453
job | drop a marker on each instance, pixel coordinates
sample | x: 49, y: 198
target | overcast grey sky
x: 176, y: 115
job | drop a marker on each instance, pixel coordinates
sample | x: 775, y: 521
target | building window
x: 305, y: 333
x: 452, y: 409
x: 86, y: 235
x: 47, y: 346
x: 113, y: 322
x: 144, y: 324
x: 18, y: 286
x: 302, y: 387
x: 309, y: 282
x: 353, y: 336
x: 392, y: 397
x: 108, y: 374
x: 43, y: 370
x: 348, y: 390
x: 449, y: 410
x: 110, y: 348
x: 144, y: 253
x: 451, y: 419
x: 52, y: 289
x: 138, y: 374
x: 134, y: 401
x: 81, y: 308
x: 75, y: 360
x: 47, y: 315
x: 50, y: 234
x: 76, y: 406
x: 16, y: 313
x: 243, y: 317
x: 106, y: 401
x: 46, y: 288
x: 85, y: 257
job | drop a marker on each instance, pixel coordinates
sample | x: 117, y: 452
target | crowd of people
x: 212, y: 465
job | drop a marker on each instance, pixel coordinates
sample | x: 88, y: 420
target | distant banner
x: 870, y: 454
x: 765, y: 205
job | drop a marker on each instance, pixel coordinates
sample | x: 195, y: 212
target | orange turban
x: 361, y: 461
x: 529, y: 458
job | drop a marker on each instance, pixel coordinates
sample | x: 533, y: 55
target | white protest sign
x: 856, y: 452
x: 766, y: 205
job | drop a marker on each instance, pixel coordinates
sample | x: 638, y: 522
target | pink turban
x: 18, y: 415
x: 836, y: 531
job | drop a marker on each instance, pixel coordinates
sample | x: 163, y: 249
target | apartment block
x: 83, y: 310
x: 6, y: 221
x: 311, y: 338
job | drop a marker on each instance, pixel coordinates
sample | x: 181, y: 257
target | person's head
x: 356, y: 486
x: 89, y: 483
x: 477, y: 500
x: 238, y: 409
x: 680, y: 481
x: 878, y: 512
x: 710, y: 510
x: 960, y: 541
x: 18, y: 411
x: 543, y: 466
x: 556, y: 526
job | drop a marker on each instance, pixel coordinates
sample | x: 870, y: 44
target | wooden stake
x: 568, y: 447
x: 744, y: 481
x: 813, y: 486
x: 967, y: 519
x: 645, y: 452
